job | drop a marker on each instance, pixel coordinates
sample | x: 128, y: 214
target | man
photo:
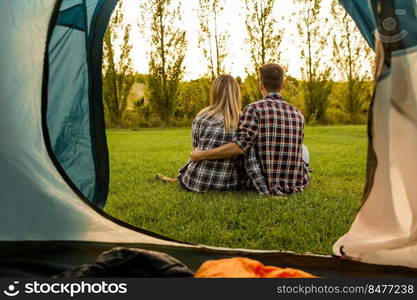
x: 274, y: 129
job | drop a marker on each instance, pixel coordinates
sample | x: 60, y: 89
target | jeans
x: 306, y: 155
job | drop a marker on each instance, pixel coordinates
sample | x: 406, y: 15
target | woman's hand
x: 197, y: 155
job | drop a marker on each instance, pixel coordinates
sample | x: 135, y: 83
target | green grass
x: 308, y: 222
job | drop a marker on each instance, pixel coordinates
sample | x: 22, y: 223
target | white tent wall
x: 36, y: 203
x: 385, y: 230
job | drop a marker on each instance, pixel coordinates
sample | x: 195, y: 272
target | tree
x: 264, y: 38
x: 212, y: 41
x: 117, y: 67
x: 352, y: 56
x: 166, y: 56
x: 316, y: 72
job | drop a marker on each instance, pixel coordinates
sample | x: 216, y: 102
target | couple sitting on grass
x: 259, y: 149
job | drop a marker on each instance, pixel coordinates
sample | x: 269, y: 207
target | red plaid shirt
x: 276, y: 130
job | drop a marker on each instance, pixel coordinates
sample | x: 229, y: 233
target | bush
x: 331, y: 109
x: 335, y: 116
x: 292, y: 92
x: 193, y: 97
x: 316, y: 95
x: 182, y: 122
x: 250, y: 90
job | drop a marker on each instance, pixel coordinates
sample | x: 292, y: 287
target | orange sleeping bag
x: 245, y: 268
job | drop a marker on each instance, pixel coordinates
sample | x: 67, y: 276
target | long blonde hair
x: 225, y: 100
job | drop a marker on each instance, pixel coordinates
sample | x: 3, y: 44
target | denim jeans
x: 306, y: 155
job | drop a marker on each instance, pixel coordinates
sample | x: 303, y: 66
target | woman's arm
x: 227, y: 151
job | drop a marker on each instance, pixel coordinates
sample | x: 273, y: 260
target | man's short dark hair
x: 272, y: 77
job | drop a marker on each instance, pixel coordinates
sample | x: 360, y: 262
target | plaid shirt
x: 275, y: 130
x: 209, y: 133
x: 251, y: 176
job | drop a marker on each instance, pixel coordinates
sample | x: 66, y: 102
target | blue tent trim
x: 97, y: 123
x: 102, y: 19
x: 75, y: 112
x: 73, y: 17
x: 363, y: 17
x: 369, y: 20
x: 404, y: 34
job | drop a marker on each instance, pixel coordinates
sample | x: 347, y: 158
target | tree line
x: 168, y: 100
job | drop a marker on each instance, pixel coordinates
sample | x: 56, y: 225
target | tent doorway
x: 308, y: 222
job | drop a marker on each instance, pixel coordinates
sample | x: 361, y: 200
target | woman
x: 213, y: 127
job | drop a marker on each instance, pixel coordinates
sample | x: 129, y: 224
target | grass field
x: 309, y: 222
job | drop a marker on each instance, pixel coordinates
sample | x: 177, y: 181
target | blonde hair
x: 225, y: 100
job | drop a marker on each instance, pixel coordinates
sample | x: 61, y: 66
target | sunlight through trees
x: 333, y: 85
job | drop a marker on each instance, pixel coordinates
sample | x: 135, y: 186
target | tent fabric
x: 46, y: 259
x: 73, y: 17
x: 74, y: 101
x: 38, y: 201
x: 362, y: 15
x: 405, y: 15
x: 385, y: 230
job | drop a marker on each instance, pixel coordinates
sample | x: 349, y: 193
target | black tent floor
x: 46, y: 259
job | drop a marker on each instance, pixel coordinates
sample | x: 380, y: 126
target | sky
x: 232, y: 20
